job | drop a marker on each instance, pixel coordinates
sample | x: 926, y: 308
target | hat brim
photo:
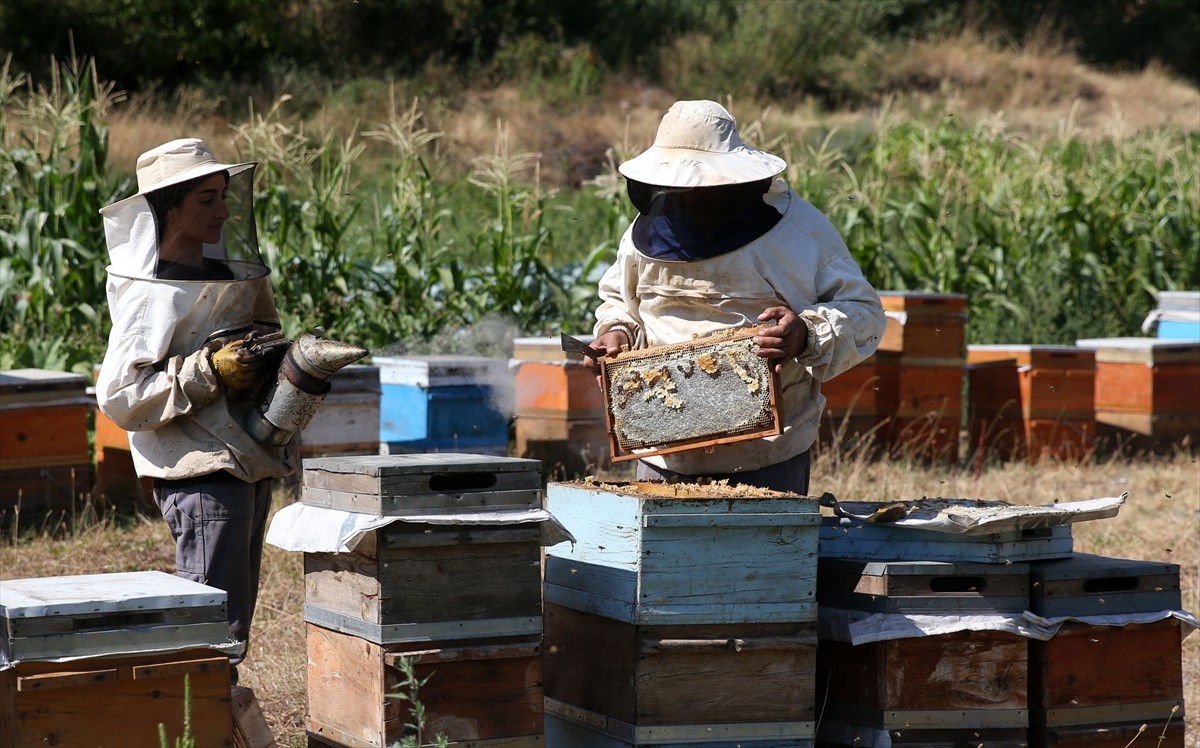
x: 687, y: 167
x: 200, y: 171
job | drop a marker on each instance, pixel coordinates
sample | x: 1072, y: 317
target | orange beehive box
x: 566, y: 389
x: 1031, y: 402
x: 45, y: 461
x: 116, y: 480
x: 1147, y: 390
x: 925, y: 325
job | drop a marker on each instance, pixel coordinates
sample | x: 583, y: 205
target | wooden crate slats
x: 567, y: 725
x: 1166, y: 733
x: 399, y: 633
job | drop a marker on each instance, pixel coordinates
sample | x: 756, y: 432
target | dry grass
x: 1160, y: 521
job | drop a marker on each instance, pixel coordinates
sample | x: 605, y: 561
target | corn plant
x: 53, y: 181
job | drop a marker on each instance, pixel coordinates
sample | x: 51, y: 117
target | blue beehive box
x: 1177, y: 316
x: 442, y: 403
x: 710, y: 554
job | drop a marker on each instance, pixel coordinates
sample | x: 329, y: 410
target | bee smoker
x: 288, y: 405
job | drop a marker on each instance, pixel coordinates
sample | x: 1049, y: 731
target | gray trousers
x: 791, y: 475
x: 218, y: 523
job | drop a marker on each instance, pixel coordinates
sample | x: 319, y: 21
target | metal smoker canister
x: 299, y: 388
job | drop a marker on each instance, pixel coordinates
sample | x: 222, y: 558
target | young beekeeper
x: 720, y: 242
x: 186, y: 286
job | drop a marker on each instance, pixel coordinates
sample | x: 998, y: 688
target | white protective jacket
x: 801, y: 263
x: 157, y: 380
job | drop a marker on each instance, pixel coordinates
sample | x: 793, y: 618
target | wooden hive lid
x: 44, y: 597
x: 1142, y: 350
x: 1037, y: 356
x: 440, y: 370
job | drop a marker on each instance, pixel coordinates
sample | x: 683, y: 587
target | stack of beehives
x: 1000, y: 637
x: 559, y: 410
x: 681, y: 615
x: 433, y: 559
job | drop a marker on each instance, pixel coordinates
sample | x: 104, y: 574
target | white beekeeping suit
x: 157, y: 379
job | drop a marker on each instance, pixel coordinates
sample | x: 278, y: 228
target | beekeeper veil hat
x: 132, y: 227
x: 698, y: 145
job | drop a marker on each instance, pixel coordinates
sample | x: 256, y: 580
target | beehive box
x: 45, y: 460
x: 1166, y: 733
x: 442, y: 403
x: 698, y: 393
x: 1072, y: 681
x: 881, y: 542
x: 413, y: 483
x: 1031, y: 402
x: 1146, y: 395
x: 922, y: 586
x: 1071, y: 685
x: 568, y: 449
x: 649, y: 554
x: 929, y: 408
x: 1084, y: 584
x: 965, y: 680
x: 102, y: 614
x: 609, y: 682
x: 479, y: 692
x: 100, y: 660
x: 925, y: 325
x: 418, y: 582
x: 1177, y: 316
x: 347, y: 423
x: 861, y: 401
x: 559, y: 410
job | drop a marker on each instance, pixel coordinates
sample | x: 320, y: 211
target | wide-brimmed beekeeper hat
x: 698, y: 145
x: 176, y: 162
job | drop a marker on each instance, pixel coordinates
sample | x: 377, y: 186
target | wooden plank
x: 250, y: 729
x: 120, y: 712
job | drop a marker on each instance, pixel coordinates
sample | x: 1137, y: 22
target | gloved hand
x: 236, y: 370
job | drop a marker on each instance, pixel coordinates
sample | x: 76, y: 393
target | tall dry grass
x: 1160, y: 521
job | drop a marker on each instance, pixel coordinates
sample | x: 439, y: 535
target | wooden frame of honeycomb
x: 689, y: 395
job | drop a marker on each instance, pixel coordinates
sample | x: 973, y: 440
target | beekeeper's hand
x: 236, y: 371
x: 783, y: 340
x: 610, y: 344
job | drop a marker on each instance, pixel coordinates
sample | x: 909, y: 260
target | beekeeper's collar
x: 698, y: 145
x: 130, y: 227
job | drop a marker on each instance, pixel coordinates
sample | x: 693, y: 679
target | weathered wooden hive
x: 687, y: 395
x: 861, y: 402
x: 559, y: 410
x: 101, y: 660
x: 451, y: 583
x: 1116, y: 664
x: 681, y: 615
x: 347, y: 423
x: 1031, y: 402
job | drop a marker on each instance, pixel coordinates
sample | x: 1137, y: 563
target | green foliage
x: 1052, y: 239
x: 186, y: 740
x: 53, y: 181
x: 408, y: 689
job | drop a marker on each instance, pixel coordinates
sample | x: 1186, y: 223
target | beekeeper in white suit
x: 720, y: 242
x: 186, y: 285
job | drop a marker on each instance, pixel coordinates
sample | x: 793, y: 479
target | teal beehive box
x: 443, y: 403
x: 653, y: 554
